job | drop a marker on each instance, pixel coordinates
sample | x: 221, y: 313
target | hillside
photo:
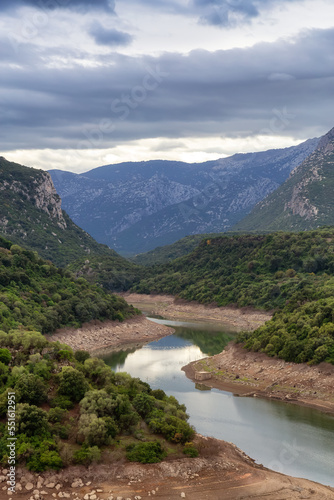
x: 289, y: 272
x: 167, y: 253
x: 135, y: 207
x: 73, y: 409
x: 31, y: 216
x: 304, y: 201
x: 36, y: 295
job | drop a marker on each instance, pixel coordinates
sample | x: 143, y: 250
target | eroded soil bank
x: 180, y: 310
x: 255, y: 374
x: 97, y: 336
x: 221, y: 472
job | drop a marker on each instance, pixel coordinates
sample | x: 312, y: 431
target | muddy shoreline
x: 181, y: 310
x: 256, y: 375
x: 98, y: 336
x: 221, y: 472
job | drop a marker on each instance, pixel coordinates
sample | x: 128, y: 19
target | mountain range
x: 304, y: 200
x: 136, y: 206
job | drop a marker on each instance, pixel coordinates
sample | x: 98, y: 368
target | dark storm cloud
x: 220, y: 13
x: 51, y: 5
x: 269, y: 88
x: 111, y: 37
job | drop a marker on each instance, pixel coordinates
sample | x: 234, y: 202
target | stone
x: 50, y: 485
x: 29, y: 486
x: 58, y: 486
x: 183, y: 495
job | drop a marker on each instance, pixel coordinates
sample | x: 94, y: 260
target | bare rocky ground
x: 221, y: 472
x: 255, y: 374
x: 96, y: 336
x: 180, y: 310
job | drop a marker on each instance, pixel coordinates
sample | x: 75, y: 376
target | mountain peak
x: 302, y: 202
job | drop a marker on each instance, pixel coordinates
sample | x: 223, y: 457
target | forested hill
x: 36, y: 295
x: 289, y: 272
x: 31, y: 216
x: 246, y: 270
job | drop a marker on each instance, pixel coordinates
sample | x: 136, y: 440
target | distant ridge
x: 134, y: 207
x: 304, y: 201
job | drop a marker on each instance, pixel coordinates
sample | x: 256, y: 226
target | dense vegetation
x: 39, y: 296
x: 25, y: 223
x: 289, y: 272
x: 71, y: 408
x: 167, y: 253
x: 112, y: 271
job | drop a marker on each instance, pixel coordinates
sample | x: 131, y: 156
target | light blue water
x: 294, y: 440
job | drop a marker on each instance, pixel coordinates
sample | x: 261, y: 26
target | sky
x: 86, y: 83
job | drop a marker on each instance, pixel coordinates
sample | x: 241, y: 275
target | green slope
x: 167, y: 253
x: 289, y: 272
x: 304, y: 201
x: 31, y: 215
x: 71, y: 409
x: 36, y: 295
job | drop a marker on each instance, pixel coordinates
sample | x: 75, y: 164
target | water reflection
x: 293, y: 440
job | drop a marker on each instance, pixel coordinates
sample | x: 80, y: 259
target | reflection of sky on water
x: 294, y: 440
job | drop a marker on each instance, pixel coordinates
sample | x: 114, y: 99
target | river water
x: 294, y: 440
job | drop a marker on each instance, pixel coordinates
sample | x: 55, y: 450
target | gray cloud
x: 51, y: 5
x: 232, y: 93
x: 111, y: 37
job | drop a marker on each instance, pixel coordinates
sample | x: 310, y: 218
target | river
x: 294, y: 440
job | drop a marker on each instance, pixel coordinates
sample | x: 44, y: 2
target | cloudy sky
x: 90, y: 82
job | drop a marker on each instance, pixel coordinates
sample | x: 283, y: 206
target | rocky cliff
x: 304, y: 201
x: 31, y: 215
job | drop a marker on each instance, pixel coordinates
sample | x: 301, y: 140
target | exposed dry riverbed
x: 97, y: 336
x: 222, y: 471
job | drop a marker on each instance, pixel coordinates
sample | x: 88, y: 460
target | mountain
x: 31, y: 216
x: 135, y: 207
x: 305, y: 200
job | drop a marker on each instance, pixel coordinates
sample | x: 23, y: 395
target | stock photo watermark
x: 11, y: 445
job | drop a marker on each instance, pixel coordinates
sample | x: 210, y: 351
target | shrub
x: 5, y: 356
x: 30, y: 389
x: 81, y: 356
x: 31, y: 420
x: 146, y: 453
x: 72, y: 384
x: 87, y: 455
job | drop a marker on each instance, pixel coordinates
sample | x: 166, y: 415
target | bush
x: 190, y: 450
x: 72, y: 384
x: 81, y: 356
x: 87, y: 455
x: 30, y: 389
x: 5, y: 356
x: 31, y: 420
x: 56, y: 414
x: 146, y: 453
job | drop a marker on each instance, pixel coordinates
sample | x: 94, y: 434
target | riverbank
x: 180, y: 310
x: 97, y: 335
x: 255, y: 374
x: 221, y: 472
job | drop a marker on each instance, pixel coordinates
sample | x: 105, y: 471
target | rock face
x: 304, y: 201
x: 31, y: 216
x: 134, y: 207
